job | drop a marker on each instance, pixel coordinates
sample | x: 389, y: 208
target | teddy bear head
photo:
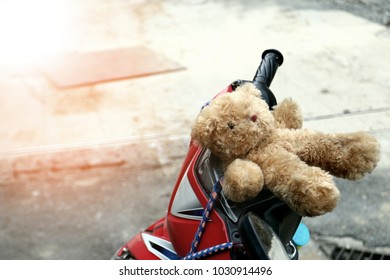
x: 234, y: 123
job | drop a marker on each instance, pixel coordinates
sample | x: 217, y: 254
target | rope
x: 212, y: 250
x: 193, y: 254
x: 206, y: 214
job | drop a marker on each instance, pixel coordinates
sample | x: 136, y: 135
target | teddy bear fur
x: 262, y: 148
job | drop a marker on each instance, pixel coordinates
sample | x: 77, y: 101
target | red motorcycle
x: 201, y: 223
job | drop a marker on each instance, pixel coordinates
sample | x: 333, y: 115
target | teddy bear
x: 261, y: 148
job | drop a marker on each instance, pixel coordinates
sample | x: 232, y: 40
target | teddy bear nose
x: 253, y: 118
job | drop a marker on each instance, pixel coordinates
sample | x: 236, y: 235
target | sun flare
x: 30, y: 30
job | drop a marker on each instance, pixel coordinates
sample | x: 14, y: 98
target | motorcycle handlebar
x: 271, y: 60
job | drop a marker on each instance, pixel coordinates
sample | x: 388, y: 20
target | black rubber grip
x: 271, y: 60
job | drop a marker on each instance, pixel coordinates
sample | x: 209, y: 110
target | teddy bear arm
x: 345, y: 155
x: 307, y: 190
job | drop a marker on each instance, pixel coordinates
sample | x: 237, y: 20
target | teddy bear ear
x: 202, y: 129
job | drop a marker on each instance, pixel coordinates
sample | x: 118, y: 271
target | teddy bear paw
x: 243, y: 180
x: 363, y: 155
x: 311, y: 194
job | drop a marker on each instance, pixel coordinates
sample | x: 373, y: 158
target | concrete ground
x: 83, y: 169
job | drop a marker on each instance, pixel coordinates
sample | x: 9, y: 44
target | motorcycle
x: 201, y: 223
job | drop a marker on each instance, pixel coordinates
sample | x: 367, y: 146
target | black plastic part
x: 280, y: 217
x: 256, y: 248
x: 282, y: 220
x: 238, y: 83
x: 259, y: 239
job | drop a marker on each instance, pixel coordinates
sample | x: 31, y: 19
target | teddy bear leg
x: 308, y: 190
x: 243, y: 180
x: 345, y: 155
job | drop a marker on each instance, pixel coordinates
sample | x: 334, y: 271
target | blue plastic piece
x: 302, y: 235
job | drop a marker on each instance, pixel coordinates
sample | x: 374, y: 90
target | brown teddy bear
x: 259, y: 147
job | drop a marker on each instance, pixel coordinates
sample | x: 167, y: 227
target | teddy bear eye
x: 230, y: 125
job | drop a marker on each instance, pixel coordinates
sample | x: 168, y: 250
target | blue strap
x: 193, y: 254
x: 206, y: 214
x: 212, y: 250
